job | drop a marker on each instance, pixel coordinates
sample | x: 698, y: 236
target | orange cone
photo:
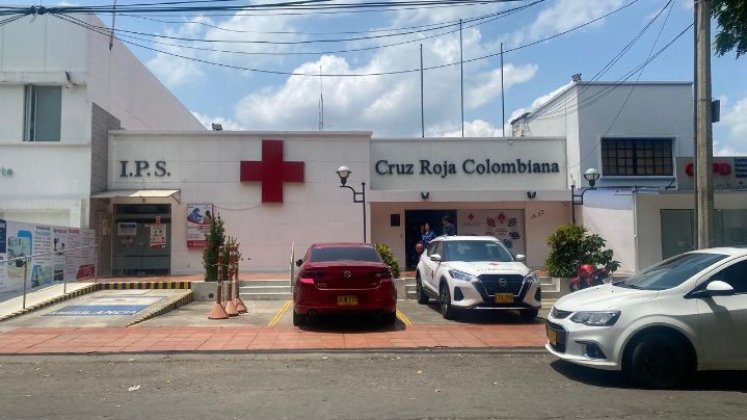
x: 217, y: 312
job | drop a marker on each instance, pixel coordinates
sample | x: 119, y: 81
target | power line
x: 288, y: 73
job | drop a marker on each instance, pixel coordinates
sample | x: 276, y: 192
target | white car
x: 476, y: 272
x: 683, y: 314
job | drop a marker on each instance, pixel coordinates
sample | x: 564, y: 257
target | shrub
x: 572, y: 245
x: 215, y: 238
x: 389, y: 258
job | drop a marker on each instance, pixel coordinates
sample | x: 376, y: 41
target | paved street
x: 346, y: 386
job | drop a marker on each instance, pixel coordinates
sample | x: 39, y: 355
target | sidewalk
x: 14, y: 305
x: 217, y: 339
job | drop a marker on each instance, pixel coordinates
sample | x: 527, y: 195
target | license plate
x: 552, y: 336
x: 504, y: 298
x: 347, y: 300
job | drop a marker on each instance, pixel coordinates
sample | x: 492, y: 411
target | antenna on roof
x: 111, y: 34
x: 321, y: 98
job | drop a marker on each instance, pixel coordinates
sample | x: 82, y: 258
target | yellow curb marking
x: 402, y: 317
x: 279, y: 314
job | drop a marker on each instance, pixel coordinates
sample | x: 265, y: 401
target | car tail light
x: 382, y: 275
x: 309, y: 277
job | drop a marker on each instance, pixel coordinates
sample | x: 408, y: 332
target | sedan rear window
x: 358, y: 253
x: 672, y: 272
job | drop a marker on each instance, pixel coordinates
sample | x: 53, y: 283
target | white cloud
x: 227, y: 124
x: 476, y: 128
x: 176, y: 71
x: 563, y: 15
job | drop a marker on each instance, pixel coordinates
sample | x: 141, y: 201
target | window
x: 735, y: 275
x: 356, y: 253
x: 42, y: 113
x: 434, y: 248
x: 637, y: 157
x: 471, y: 251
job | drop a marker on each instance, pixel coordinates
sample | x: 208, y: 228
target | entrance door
x: 414, y: 219
x: 141, y: 240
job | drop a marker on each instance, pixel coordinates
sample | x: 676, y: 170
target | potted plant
x: 573, y: 245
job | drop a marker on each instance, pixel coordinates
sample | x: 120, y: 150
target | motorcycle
x: 588, y: 276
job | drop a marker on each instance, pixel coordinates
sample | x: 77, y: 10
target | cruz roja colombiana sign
x: 467, y: 166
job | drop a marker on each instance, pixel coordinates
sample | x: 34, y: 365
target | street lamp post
x: 358, y: 196
x: 591, y: 175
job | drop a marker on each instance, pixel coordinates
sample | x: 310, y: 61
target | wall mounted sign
x: 198, y: 224
x: 143, y: 169
x: 467, y: 166
x: 272, y: 171
x: 729, y: 173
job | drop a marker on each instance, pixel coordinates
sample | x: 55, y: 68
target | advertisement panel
x: 506, y: 225
x: 198, y: 224
x: 54, y: 254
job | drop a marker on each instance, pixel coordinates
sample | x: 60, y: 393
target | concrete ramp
x: 105, y: 308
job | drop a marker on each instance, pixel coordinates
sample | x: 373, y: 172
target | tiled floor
x: 178, y: 339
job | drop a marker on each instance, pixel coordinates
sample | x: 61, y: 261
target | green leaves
x: 389, y: 258
x: 572, y: 245
x: 731, y: 16
x: 215, y: 238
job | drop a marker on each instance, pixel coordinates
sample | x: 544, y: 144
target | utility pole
x: 461, y: 72
x: 703, y: 130
x: 503, y: 100
x: 422, y: 105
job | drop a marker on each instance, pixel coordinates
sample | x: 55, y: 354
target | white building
x: 61, y: 89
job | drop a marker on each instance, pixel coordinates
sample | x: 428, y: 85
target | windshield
x: 672, y: 272
x: 476, y: 251
x: 357, y: 253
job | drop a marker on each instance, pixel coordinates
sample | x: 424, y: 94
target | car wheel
x: 529, y: 314
x: 298, y: 319
x: 447, y: 310
x: 422, y: 296
x: 662, y: 361
x: 389, y: 318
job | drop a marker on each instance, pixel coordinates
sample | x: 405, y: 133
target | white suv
x: 686, y: 313
x: 476, y: 272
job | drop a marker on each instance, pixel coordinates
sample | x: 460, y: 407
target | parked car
x: 683, y: 314
x: 476, y: 272
x: 338, y: 278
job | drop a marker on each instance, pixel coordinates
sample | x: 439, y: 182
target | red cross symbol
x: 272, y: 171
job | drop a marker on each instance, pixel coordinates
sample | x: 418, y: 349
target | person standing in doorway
x: 449, y: 228
x: 426, y: 235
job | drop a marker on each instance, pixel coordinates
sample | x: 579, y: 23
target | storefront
x: 278, y: 193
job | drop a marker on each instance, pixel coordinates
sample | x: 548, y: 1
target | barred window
x: 637, y: 157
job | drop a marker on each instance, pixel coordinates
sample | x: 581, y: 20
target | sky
x: 389, y: 105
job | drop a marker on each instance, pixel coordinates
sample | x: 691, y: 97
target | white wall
x: 649, y: 208
x: 647, y: 110
x: 609, y: 213
x: 122, y: 85
x: 205, y: 167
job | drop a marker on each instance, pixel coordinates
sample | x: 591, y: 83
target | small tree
x: 573, y: 245
x: 389, y: 258
x: 215, y: 238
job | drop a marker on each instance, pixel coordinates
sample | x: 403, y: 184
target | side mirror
x: 521, y: 258
x: 436, y: 257
x: 299, y: 262
x: 714, y: 288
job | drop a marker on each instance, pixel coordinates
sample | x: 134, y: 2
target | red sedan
x: 339, y: 278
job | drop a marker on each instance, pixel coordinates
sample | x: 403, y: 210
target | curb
x: 397, y: 350
x: 58, y: 299
x: 170, y: 306
x: 156, y: 285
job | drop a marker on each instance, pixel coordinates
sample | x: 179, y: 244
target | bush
x: 571, y: 246
x: 389, y: 258
x: 215, y: 238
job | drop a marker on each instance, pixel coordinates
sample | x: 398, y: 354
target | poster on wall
x: 198, y: 224
x: 54, y: 254
x: 127, y: 229
x: 506, y: 225
x: 157, y: 235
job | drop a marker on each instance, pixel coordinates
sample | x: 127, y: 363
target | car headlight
x: 531, y: 277
x: 596, y: 319
x: 461, y: 275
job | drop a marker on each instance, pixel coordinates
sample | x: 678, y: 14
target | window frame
x: 718, y: 276
x: 607, y: 157
x: 31, y: 112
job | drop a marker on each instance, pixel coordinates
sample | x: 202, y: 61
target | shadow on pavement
x: 702, y: 381
x: 349, y: 323
x: 487, y: 316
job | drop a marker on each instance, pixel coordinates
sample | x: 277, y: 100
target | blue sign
x: 3, y: 236
x: 98, y: 310
x: 740, y: 167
